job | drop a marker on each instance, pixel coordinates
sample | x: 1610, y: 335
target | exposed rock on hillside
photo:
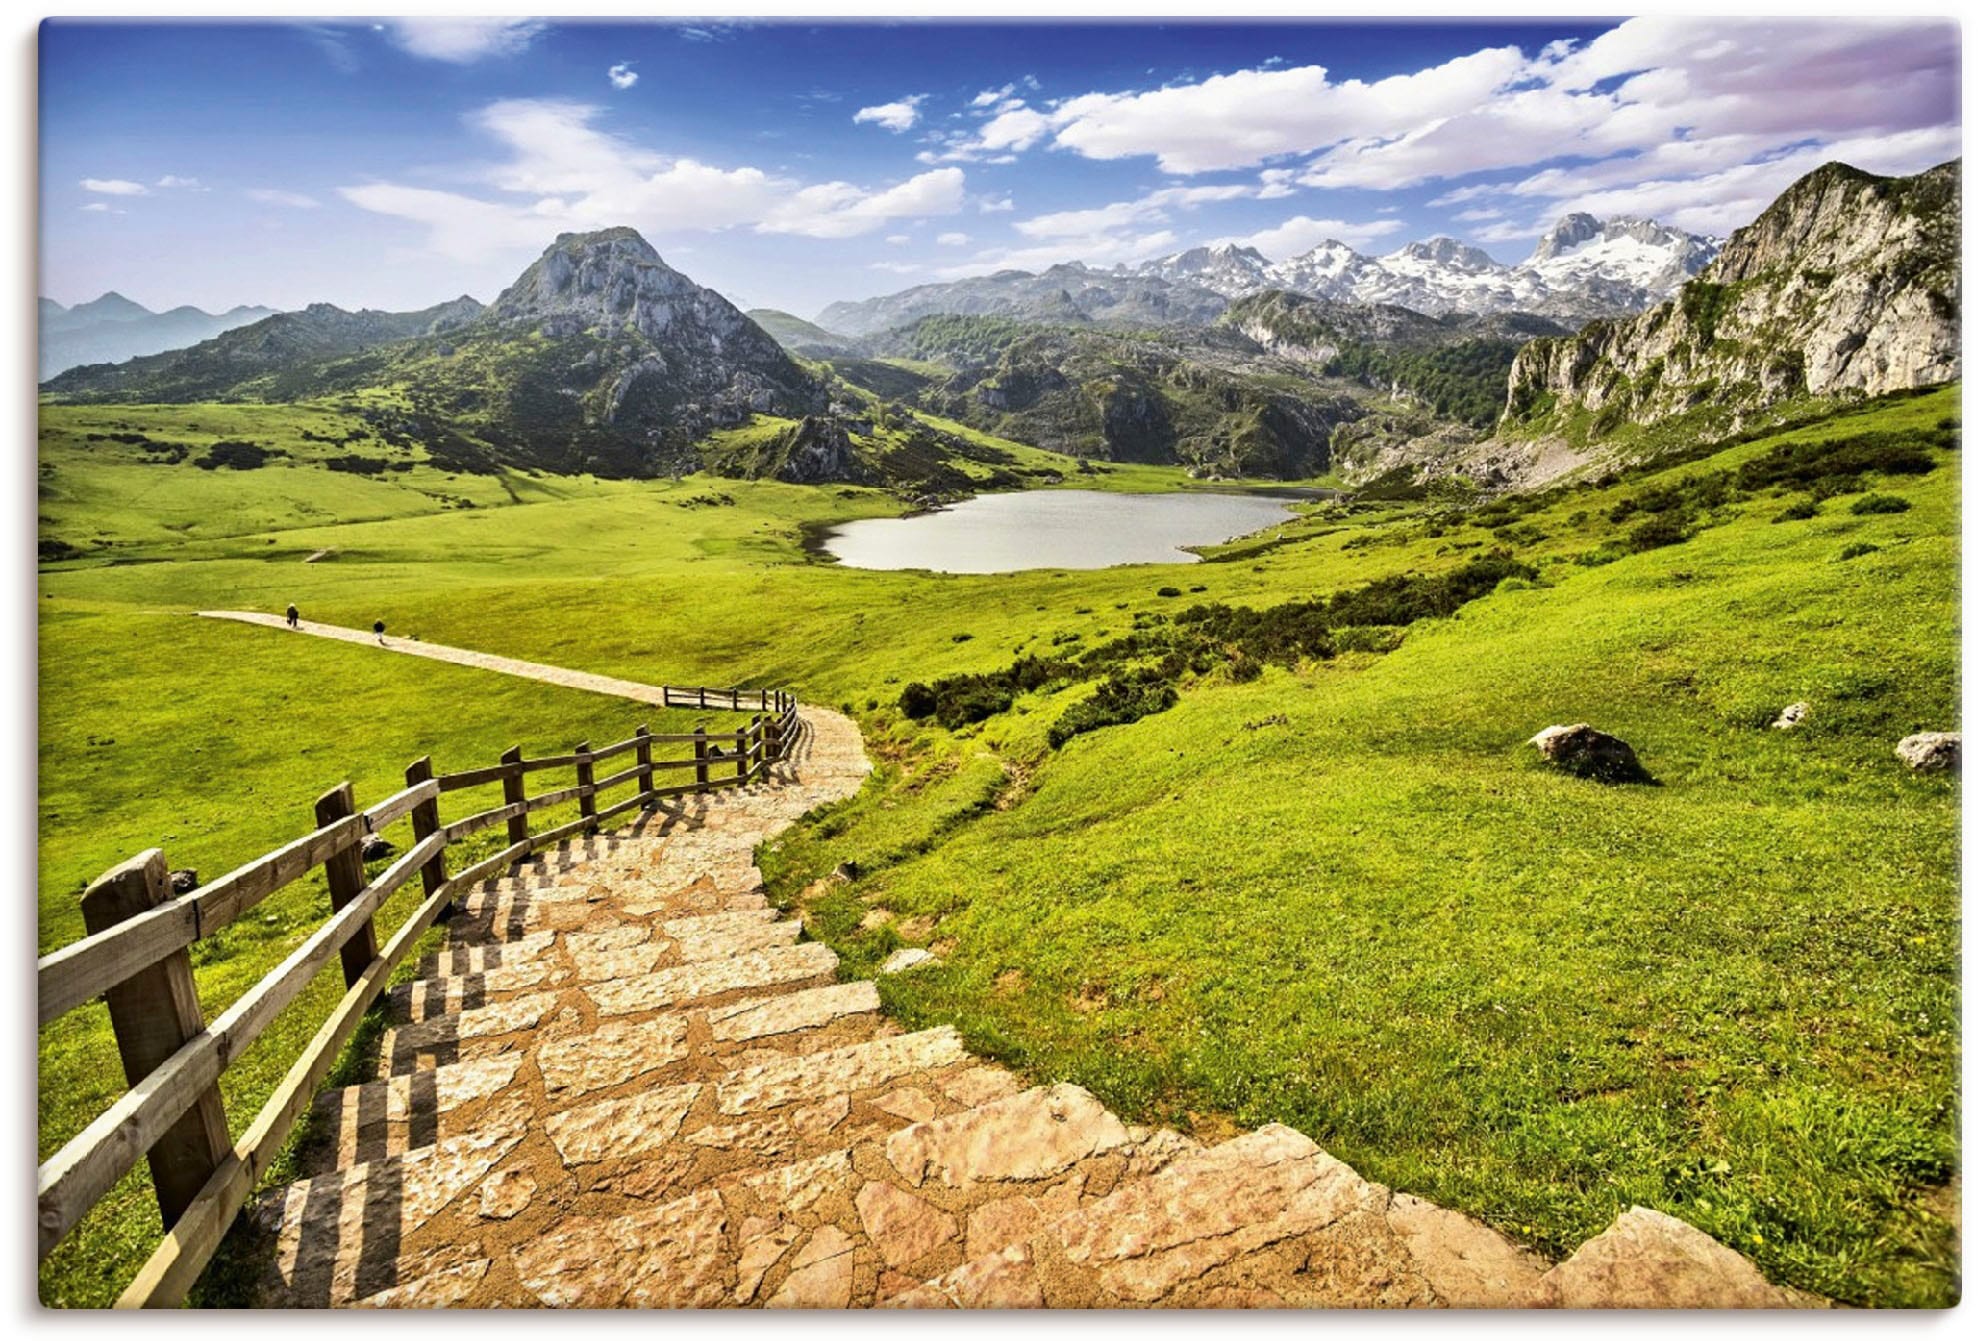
x: 1847, y: 285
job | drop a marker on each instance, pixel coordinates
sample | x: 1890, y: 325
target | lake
x: 1053, y: 528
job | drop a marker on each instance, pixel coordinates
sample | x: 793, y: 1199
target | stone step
x: 349, y: 1234
x: 1264, y: 1220
x: 767, y: 1020
x: 673, y: 988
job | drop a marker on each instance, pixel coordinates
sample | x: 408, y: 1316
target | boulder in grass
x: 904, y: 960
x: 1586, y: 753
x: 1932, y: 751
x: 184, y: 882
x: 1791, y: 716
x: 377, y: 847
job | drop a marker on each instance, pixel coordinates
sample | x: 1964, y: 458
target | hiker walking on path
x: 293, y: 615
x: 379, y: 629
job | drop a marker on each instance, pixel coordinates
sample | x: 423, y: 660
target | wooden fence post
x: 513, y: 792
x: 426, y: 823
x: 703, y: 697
x: 700, y: 757
x: 643, y: 753
x: 152, y: 1013
x: 772, y: 739
x: 750, y: 740
x: 344, y: 870
x: 587, y: 802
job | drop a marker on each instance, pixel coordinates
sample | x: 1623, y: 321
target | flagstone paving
x: 624, y: 1082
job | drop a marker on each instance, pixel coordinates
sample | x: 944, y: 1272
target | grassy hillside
x: 1339, y: 893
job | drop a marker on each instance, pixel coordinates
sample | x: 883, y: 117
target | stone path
x: 459, y: 656
x: 624, y: 1082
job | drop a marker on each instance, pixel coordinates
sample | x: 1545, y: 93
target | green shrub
x: 1657, y: 533
x: 1857, y: 549
x: 1803, y: 510
x: 1119, y: 699
x: 1869, y: 505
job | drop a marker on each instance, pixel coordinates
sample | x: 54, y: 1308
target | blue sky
x: 399, y: 163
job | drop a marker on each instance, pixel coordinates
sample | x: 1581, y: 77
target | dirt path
x: 459, y: 656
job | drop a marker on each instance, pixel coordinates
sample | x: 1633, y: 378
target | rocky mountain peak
x: 1447, y: 251
x: 1569, y: 232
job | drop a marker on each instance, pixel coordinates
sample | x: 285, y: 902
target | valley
x: 1259, y: 838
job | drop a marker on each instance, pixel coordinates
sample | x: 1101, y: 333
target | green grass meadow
x: 1344, y: 895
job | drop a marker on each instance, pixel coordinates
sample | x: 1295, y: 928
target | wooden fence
x: 136, y: 956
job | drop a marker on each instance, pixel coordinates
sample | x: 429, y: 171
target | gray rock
x: 1584, y: 752
x: 184, y: 882
x: 1932, y: 751
x: 1791, y: 716
x: 901, y: 961
x: 377, y: 847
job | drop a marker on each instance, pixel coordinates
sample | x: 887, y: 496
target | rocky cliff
x: 1847, y: 285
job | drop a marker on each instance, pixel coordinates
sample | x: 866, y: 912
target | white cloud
x: 893, y: 116
x: 170, y: 183
x: 462, y: 41
x: 293, y: 200
x: 1096, y: 250
x: 953, y: 239
x: 897, y: 239
x: 113, y: 186
x: 622, y: 75
x: 996, y: 204
x: 98, y: 207
x: 562, y: 173
x: 838, y: 209
x: 1693, y: 115
x: 1299, y: 234
x: 1150, y: 208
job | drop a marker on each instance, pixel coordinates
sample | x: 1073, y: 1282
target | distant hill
x: 599, y: 357
x: 803, y: 338
x: 112, y: 328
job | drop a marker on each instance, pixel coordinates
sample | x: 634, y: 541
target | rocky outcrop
x: 1846, y: 286
x: 1932, y: 751
x: 1587, y: 753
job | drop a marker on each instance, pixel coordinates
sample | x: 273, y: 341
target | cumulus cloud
x: 462, y: 41
x: 1098, y: 250
x: 622, y: 75
x: 561, y: 172
x: 1150, y: 208
x: 113, y: 186
x: 839, y: 209
x: 168, y: 182
x: 1695, y: 114
x: 894, y: 116
x: 293, y: 200
x: 1299, y: 234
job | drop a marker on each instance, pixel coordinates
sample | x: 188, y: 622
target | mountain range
x: 112, y: 328
x: 1583, y: 268
x: 602, y: 358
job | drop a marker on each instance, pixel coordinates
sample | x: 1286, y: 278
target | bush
x: 234, y: 456
x: 1857, y: 549
x: 1169, y: 591
x: 1118, y: 700
x: 917, y: 701
x: 1869, y: 505
x: 1657, y: 533
x: 1803, y: 510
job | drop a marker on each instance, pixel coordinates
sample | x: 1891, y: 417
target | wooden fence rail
x: 136, y: 956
